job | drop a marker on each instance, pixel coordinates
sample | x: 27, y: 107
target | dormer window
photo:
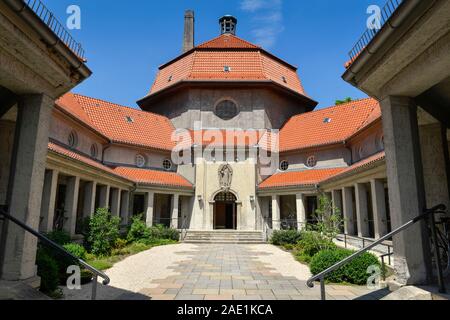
x: 129, y: 119
x: 227, y: 68
x: 284, y: 79
x: 327, y: 120
x: 170, y: 79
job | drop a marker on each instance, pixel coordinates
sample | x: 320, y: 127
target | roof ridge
x: 204, y: 44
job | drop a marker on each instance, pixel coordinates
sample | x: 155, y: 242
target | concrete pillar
x: 276, y: 215
x: 301, y: 212
x: 379, y: 208
x: 26, y: 183
x: 362, y: 212
x: 104, y: 197
x: 336, y: 198
x: 49, y: 200
x: 115, y: 201
x: 72, y: 190
x: 90, y: 191
x: 125, y: 207
x: 348, y: 213
x: 149, y: 203
x: 406, y: 193
x: 174, y: 214
x: 433, y: 140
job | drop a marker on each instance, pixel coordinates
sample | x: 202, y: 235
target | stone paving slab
x: 217, y: 272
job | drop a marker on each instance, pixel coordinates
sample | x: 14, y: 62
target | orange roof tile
x: 328, y: 126
x: 145, y: 129
x: 247, y: 61
x: 78, y: 157
x: 153, y: 177
x: 298, y: 178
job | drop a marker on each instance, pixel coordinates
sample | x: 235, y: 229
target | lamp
x: 200, y: 198
x: 252, y: 198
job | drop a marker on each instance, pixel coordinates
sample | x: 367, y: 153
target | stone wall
x: 7, y: 140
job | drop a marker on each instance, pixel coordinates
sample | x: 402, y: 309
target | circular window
x: 140, y: 161
x: 73, y: 139
x: 226, y: 110
x: 94, y: 151
x: 311, y: 162
x: 284, y: 165
x: 167, y: 164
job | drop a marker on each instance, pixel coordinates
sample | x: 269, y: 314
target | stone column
x: 49, y: 200
x: 90, y: 191
x: 149, y: 202
x: 379, y: 207
x: 104, y: 197
x: 276, y: 215
x: 347, y: 199
x: 26, y: 183
x: 115, y: 201
x: 301, y: 212
x: 406, y: 192
x: 71, y: 205
x: 174, y: 213
x: 336, y: 199
x: 433, y: 140
x: 362, y: 213
x: 125, y: 207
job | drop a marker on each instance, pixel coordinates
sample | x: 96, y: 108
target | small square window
x: 170, y: 79
x: 227, y: 68
x: 327, y: 120
x: 129, y: 119
x: 284, y: 79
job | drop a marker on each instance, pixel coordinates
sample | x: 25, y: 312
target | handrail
x: 427, y: 213
x: 97, y: 273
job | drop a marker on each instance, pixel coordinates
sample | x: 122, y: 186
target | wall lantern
x: 252, y: 198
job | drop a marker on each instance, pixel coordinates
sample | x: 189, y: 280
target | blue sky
x: 126, y: 41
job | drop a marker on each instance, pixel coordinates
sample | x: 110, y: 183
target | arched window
x: 72, y: 140
x: 225, y: 197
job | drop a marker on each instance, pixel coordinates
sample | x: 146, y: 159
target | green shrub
x: 77, y: 250
x: 59, y: 237
x: 355, y: 272
x: 162, y: 232
x: 48, y: 270
x: 103, y: 232
x: 313, y: 242
x: 120, y: 243
x: 138, y: 230
x: 282, y: 237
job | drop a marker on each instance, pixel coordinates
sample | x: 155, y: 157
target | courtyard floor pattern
x: 218, y: 272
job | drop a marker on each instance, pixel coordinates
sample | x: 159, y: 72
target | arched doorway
x: 225, y: 211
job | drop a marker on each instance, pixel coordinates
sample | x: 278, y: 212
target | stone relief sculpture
x: 225, y: 176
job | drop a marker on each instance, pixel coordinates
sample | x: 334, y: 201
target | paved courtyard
x: 215, y: 272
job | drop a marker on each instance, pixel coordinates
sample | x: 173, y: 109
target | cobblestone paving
x: 237, y: 272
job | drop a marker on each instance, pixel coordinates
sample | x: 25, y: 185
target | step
x: 224, y: 237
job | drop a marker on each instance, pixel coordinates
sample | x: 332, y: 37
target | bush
x: 103, y: 232
x: 313, y: 242
x: 138, y: 230
x: 48, y: 270
x: 282, y: 237
x: 354, y: 272
x: 77, y: 250
x: 59, y: 237
x: 120, y: 243
x: 161, y: 232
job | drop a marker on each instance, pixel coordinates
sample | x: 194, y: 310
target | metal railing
x: 386, y: 12
x: 96, y: 273
x: 56, y: 26
x: 364, y: 241
x: 430, y: 214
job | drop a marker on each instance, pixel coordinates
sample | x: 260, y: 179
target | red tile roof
x: 52, y: 147
x: 153, y: 177
x: 110, y: 120
x: 328, y: 126
x: 247, y: 61
x: 298, y: 178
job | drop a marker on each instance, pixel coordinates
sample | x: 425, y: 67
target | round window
x: 167, y: 164
x: 140, y: 161
x: 73, y: 139
x: 284, y: 165
x: 94, y: 151
x: 226, y: 110
x: 311, y: 162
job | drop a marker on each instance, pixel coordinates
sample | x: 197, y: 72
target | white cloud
x: 267, y: 20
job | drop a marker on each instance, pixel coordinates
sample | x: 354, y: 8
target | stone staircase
x: 224, y: 237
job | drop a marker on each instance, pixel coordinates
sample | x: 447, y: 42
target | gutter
x: 52, y: 41
x: 386, y: 31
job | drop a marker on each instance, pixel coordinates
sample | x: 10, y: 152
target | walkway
x: 215, y: 272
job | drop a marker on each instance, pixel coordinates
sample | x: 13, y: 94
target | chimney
x: 188, y: 40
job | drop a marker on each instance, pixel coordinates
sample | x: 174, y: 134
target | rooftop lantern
x: 228, y: 25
